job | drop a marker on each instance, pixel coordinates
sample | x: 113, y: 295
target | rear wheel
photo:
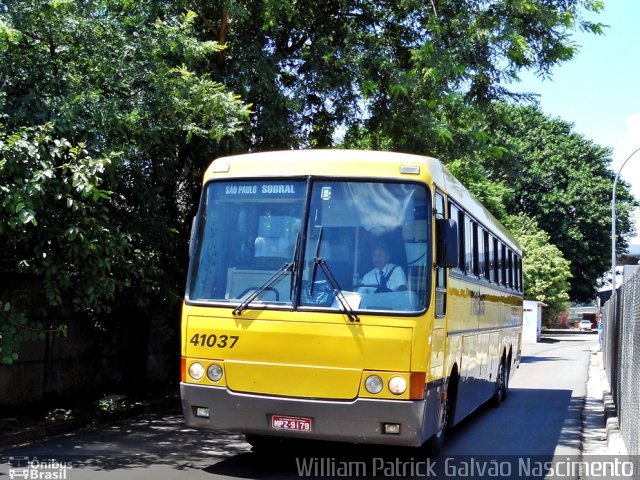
x: 502, y: 384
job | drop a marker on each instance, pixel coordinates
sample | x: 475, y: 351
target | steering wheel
x: 268, y: 289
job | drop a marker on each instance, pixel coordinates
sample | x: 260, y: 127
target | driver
x: 385, y: 276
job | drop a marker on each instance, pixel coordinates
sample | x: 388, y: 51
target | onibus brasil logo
x: 38, y: 469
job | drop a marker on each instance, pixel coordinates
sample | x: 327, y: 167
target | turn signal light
x: 416, y: 385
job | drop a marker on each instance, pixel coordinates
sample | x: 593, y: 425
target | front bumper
x: 356, y: 421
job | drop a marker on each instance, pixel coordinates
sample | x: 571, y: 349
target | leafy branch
x: 16, y: 328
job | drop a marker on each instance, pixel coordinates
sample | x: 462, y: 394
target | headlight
x: 196, y: 371
x: 374, y: 384
x: 397, y: 385
x: 214, y: 372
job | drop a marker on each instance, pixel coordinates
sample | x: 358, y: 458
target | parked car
x: 584, y: 325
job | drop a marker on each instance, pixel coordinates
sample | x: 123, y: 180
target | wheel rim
x: 505, y: 381
x: 443, y: 417
x: 501, y: 381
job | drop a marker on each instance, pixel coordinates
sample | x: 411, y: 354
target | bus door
x: 439, y: 323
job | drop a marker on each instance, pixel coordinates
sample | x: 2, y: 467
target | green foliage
x: 16, y: 328
x: 110, y: 111
x: 108, y: 122
x: 563, y: 182
x: 546, y: 273
x: 493, y: 194
x: 523, y: 162
x: 391, y: 74
x: 56, y: 219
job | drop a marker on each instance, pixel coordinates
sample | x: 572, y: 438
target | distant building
x: 626, y: 267
x: 583, y: 312
x: 532, y: 321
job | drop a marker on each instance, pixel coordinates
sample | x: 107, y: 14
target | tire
x: 264, y: 444
x: 507, y: 378
x: 433, y: 445
x: 502, y: 384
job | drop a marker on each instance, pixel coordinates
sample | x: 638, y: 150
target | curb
x: 566, y: 331
x: 600, y: 427
x: 42, y: 432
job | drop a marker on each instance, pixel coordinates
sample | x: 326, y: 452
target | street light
x: 613, y: 225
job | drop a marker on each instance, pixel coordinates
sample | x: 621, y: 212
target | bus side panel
x: 483, y: 332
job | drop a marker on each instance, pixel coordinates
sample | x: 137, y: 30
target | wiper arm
x: 287, y: 267
x: 337, y: 291
x: 314, y: 269
x: 294, y: 266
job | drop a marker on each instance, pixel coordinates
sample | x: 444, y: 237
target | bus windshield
x: 246, y: 232
x: 371, y: 237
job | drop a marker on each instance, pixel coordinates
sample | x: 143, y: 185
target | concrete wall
x: 135, y: 352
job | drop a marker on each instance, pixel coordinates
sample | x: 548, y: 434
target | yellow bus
x: 343, y: 295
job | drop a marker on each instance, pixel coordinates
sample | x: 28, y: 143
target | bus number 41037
x: 212, y: 340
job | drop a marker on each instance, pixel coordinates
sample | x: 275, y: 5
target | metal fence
x: 621, y: 353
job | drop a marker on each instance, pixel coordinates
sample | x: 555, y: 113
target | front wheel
x: 264, y: 444
x: 434, y: 445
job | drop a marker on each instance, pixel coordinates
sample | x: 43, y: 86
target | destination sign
x: 269, y: 189
x: 272, y: 188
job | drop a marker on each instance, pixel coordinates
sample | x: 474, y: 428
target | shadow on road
x: 527, y: 359
x: 528, y: 424
x: 524, y: 431
x: 533, y: 424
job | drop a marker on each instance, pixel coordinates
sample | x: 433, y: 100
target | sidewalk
x: 42, y: 430
x: 600, y: 428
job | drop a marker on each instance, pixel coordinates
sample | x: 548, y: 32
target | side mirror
x: 447, y: 243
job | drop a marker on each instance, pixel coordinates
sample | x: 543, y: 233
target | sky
x: 599, y: 89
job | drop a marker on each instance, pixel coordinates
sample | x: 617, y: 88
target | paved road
x: 541, y: 417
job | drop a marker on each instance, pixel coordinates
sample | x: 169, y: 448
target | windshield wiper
x: 318, y: 261
x: 314, y: 269
x: 294, y: 266
x: 273, y: 279
x: 287, y: 267
x: 337, y: 291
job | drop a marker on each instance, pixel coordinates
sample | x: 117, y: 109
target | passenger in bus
x: 385, y: 276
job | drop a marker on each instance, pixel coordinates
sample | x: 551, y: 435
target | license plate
x: 298, y: 424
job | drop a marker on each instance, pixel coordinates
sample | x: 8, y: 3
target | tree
x: 562, y: 181
x: 546, y: 273
x: 138, y: 94
x: 392, y: 74
x: 106, y: 129
x: 493, y: 194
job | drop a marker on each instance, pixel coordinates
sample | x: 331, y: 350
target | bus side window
x: 520, y: 283
x: 499, y: 269
x: 487, y: 255
x: 503, y: 265
x: 470, y: 251
x: 495, y: 276
x: 481, y: 252
x: 512, y: 280
x: 458, y: 215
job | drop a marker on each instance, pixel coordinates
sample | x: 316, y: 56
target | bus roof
x: 357, y: 164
